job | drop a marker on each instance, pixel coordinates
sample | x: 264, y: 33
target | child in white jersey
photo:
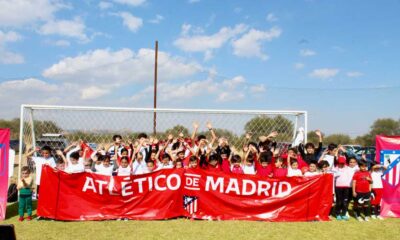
x: 45, y: 158
x: 248, y: 164
x: 105, y: 168
x: 73, y: 165
x: 139, y: 164
x: 343, y: 179
x: 353, y: 166
x: 124, y: 169
x: 312, y: 169
x: 293, y: 168
x: 377, y: 190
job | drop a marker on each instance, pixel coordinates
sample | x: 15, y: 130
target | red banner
x: 4, y: 148
x: 190, y: 193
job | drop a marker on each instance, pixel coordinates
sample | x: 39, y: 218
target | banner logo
x: 391, y: 159
x: 190, y: 204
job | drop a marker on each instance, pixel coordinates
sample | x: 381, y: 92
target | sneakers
x: 366, y: 219
x: 360, y: 219
x: 28, y: 218
x: 345, y: 217
x: 379, y: 217
x: 21, y: 219
x: 339, y: 218
x: 373, y: 216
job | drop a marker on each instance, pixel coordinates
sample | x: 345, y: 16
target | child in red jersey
x: 214, y: 163
x: 193, y: 162
x: 279, y: 170
x: 236, y: 167
x: 178, y: 163
x: 362, y: 182
x: 263, y: 166
x: 225, y: 152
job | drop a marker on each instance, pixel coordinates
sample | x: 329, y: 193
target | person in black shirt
x: 308, y: 152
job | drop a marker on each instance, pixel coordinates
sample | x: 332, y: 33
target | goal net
x: 58, y: 126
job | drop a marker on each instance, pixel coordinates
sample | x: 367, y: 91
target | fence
x: 59, y: 126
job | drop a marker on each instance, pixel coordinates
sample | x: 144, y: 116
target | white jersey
x: 249, y: 169
x: 68, y: 155
x: 124, y: 171
x: 353, y: 169
x: 139, y: 167
x: 101, y: 169
x: 294, y: 172
x: 168, y: 166
x: 330, y: 159
x: 377, y: 179
x: 309, y: 174
x: 39, y: 162
x: 343, y: 177
x: 75, y: 168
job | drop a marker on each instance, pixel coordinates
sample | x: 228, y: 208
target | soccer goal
x: 59, y: 126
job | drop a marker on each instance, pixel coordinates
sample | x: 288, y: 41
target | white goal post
x: 60, y: 125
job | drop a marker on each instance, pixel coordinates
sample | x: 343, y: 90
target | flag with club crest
x: 388, y: 154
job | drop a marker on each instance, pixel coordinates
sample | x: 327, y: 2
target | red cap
x: 342, y: 159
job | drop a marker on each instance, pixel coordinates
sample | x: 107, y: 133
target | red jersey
x: 263, y: 171
x: 280, y: 172
x: 299, y: 159
x: 238, y: 170
x: 362, y: 184
x: 216, y: 168
x: 225, y: 166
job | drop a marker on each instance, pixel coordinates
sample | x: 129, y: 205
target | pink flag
x: 388, y: 154
x: 4, y: 146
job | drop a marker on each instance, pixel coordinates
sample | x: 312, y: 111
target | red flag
x: 87, y: 150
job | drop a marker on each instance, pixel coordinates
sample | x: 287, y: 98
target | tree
x: 337, y: 139
x: 383, y: 126
x: 312, y: 138
x: 42, y: 127
x: 177, y: 129
x: 13, y: 125
x: 233, y: 139
x: 263, y: 125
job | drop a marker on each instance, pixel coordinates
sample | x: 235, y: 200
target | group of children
x: 353, y: 181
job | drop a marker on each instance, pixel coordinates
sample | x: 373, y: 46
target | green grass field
x: 193, y: 229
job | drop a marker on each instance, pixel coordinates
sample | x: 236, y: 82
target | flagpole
x: 155, y: 89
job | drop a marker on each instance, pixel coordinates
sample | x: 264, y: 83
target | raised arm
x: 160, y: 149
x: 187, y: 146
x: 323, y: 155
x: 246, y: 155
x: 319, y: 134
x: 30, y: 153
x: 195, y: 128
x: 210, y: 128
x: 72, y: 145
x: 61, y: 154
x: 69, y: 152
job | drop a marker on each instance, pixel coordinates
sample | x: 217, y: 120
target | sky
x: 337, y: 60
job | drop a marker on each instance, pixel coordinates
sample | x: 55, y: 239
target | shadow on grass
x: 12, y: 210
